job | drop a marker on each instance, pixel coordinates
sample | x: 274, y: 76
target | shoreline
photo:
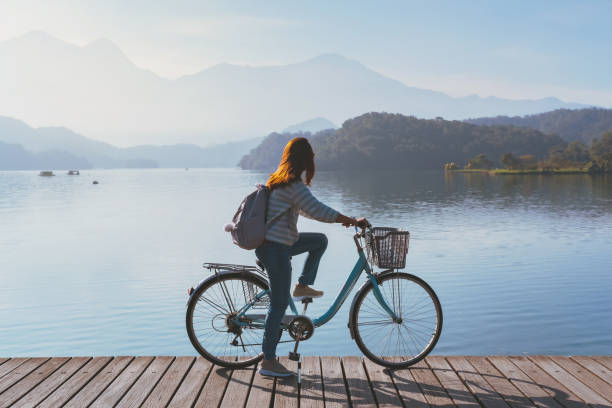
x: 502, y: 172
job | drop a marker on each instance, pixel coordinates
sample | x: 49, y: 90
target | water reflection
x: 382, y: 191
x: 520, y: 263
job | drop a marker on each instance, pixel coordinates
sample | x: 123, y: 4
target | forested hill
x: 394, y: 141
x: 572, y: 125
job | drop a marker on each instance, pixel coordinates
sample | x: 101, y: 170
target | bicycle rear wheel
x: 209, y: 320
x: 397, y: 344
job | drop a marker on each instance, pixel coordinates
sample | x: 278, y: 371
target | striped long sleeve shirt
x: 291, y: 201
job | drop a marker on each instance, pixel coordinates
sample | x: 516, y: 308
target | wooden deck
x: 454, y: 381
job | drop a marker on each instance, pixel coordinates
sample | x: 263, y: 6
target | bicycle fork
x: 381, y: 299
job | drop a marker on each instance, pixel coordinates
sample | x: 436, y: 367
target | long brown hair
x: 297, y: 158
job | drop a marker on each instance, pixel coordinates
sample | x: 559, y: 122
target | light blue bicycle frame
x: 242, y: 318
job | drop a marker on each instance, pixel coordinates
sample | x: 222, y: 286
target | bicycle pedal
x: 294, y: 356
x: 306, y: 300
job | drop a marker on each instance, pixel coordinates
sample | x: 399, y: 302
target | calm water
x: 522, y: 264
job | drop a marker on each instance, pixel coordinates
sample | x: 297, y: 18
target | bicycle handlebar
x: 365, y: 225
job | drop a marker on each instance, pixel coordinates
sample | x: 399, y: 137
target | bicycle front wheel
x: 400, y: 343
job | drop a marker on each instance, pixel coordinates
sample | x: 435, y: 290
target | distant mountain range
x: 312, y: 126
x: 23, y: 147
x: 15, y: 157
x: 581, y: 124
x: 376, y: 141
x: 96, y: 90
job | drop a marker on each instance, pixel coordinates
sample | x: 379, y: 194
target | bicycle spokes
x: 412, y: 333
x: 215, y: 324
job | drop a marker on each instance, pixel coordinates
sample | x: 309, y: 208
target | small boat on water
x: 73, y: 173
x: 46, y: 173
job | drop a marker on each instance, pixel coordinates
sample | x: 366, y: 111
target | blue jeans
x: 277, y: 260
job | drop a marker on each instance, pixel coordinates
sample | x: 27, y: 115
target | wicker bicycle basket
x: 387, y: 247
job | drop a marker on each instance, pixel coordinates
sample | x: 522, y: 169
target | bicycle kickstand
x: 294, y: 355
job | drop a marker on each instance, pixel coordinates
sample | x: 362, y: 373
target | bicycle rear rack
x: 235, y: 268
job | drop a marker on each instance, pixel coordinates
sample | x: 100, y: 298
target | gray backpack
x: 249, y: 224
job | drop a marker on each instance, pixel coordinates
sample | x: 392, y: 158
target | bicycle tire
x: 397, y: 361
x: 228, y: 360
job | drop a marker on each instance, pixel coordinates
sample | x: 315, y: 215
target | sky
x: 517, y: 49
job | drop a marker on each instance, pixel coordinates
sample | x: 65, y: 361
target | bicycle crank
x: 301, y: 328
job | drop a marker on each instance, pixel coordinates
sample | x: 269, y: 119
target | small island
x: 573, y: 158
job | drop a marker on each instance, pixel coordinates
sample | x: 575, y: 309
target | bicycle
x: 395, y: 317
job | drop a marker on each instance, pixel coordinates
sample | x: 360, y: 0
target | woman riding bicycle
x: 289, y: 198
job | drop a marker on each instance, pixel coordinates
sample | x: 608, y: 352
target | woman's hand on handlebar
x: 362, y: 223
x: 348, y: 221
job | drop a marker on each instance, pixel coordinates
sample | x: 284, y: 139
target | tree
x: 601, y: 151
x: 479, y: 162
x: 528, y: 162
x: 510, y: 162
x: 572, y: 155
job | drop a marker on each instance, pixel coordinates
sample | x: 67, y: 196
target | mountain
x: 394, y: 141
x: 312, y: 126
x: 15, y: 157
x: 188, y: 155
x: 96, y: 90
x: 572, y: 125
x: 104, y: 155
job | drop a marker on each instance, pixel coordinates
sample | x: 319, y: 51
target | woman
x: 289, y: 198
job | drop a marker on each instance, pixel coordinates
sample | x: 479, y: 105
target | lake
x: 521, y: 264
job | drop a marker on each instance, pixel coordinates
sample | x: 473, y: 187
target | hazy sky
x: 513, y: 49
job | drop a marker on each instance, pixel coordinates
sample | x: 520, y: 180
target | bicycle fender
x: 363, y: 287
x: 238, y: 274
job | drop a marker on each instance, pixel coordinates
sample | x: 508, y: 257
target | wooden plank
x: 120, y: 385
x: 595, y: 367
x: 548, y: 384
x: 384, y: 390
x: 357, y: 381
x: 476, y: 383
x: 75, y: 383
x: 10, y: 365
x: 311, y: 390
x: 262, y: 390
x: 3, y: 360
x: 585, y: 376
x: 30, y: 381
x: 286, y: 391
x: 461, y: 396
x: 434, y: 392
x: 579, y: 389
x: 51, y: 383
x: 333, y: 383
x: 19, y: 372
x: 605, y: 361
x: 165, y: 389
x: 409, y: 390
x: 145, y: 383
x: 238, y: 387
x: 191, y: 386
x: 213, y: 390
x: 512, y: 395
x: 98, y: 382
x: 521, y: 381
